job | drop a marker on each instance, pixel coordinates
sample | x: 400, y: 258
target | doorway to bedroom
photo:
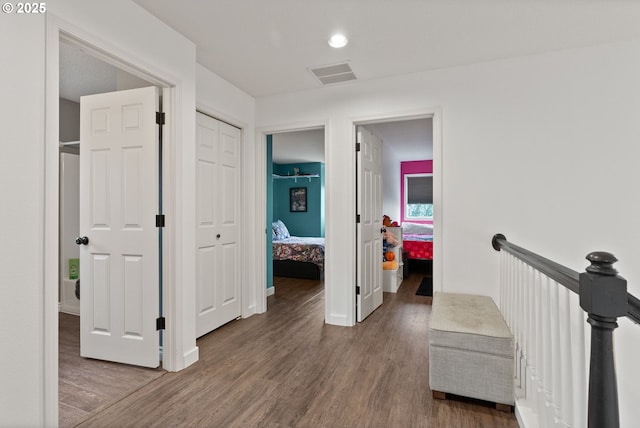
x: 407, y: 200
x: 295, y: 211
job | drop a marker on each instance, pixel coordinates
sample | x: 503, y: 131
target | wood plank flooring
x: 286, y: 368
x: 87, y: 386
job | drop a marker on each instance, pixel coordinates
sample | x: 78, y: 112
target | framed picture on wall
x: 298, y: 199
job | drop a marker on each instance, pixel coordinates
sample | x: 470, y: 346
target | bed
x: 417, y: 240
x: 296, y: 256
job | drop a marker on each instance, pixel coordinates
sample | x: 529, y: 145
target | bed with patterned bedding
x: 300, y: 249
x: 296, y: 256
x: 417, y: 240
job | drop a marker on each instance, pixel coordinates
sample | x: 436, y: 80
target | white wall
x: 22, y: 190
x: 542, y: 148
x: 69, y: 211
x: 390, y: 183
x: 69, y: 120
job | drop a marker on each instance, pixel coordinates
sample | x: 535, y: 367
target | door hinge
x: 160, y: 220
x: 357, y: 218
x: 357, y: 147
x: 159, y: 118
x: 357, y: 289
x: 160, y: 323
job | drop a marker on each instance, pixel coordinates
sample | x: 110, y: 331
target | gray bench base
x: 470, y: 349
x: 439, y: 395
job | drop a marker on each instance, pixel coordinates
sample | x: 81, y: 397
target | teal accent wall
x: 311, y: 222
x: 269, y: 211
x: 322, y: 199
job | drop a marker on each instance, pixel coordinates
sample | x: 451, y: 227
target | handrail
x: 603, y: 296
x: 634, y: 308
x: 559, y: 273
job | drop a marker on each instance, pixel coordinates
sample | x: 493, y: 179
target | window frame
x: 406, y: 196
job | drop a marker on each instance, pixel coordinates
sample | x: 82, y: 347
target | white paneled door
x: 119, y: 249
x: 218, y: 232
x: 369, y: 228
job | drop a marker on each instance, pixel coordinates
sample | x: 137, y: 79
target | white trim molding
x: 435, y: 113
x: 174, y: 337
x: 261, y: 202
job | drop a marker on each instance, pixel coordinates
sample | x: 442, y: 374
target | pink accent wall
x: 413, y: 167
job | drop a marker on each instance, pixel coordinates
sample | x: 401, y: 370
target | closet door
x: 218, y: 232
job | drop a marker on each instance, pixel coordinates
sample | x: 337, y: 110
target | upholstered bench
x: 470, y: 350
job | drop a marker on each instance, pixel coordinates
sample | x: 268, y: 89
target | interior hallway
x: 286, y: 368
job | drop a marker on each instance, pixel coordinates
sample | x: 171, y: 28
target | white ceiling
x: 266, y: 47
x: 81, y: 73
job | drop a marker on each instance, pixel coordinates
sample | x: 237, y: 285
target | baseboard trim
x: 335, y: 319
x: 526, y: 416
x: 271, y: 291
x: 191, y: 357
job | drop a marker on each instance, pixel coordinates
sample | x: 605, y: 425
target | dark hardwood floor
x: 286, y: 368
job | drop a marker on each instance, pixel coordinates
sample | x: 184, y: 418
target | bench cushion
x: 469, y: 322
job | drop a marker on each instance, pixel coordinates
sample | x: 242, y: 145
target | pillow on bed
x: 279, y: 230
x: 417, y: 228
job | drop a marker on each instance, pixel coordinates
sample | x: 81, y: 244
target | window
x: 418, y: 196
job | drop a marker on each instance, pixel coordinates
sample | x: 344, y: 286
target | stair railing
x: 540, y: 300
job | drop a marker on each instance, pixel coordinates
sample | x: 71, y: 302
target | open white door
x: 118, y: 206
x: 369, y: 228
x: 218, y: 218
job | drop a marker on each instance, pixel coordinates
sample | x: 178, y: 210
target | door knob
x: 83, y: 240
x: 218, y: 236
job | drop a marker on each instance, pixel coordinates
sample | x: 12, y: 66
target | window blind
x: 420, y: 190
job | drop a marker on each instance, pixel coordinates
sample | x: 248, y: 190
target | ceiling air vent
x: 336, y: 73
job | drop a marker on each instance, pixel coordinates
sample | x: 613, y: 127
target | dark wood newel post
x: 603, y: 296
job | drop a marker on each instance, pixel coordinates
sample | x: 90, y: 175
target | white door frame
x: 261, y: 134
x: 56, y: 29
x: 261, y: 200
x: 435, y: 113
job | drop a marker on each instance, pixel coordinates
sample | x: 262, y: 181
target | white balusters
x: 555, y: 351
x: 537, y: 387
x: 548, y: 348
x: 551, y: 348
x: 580, y: 344
x: 564, y: 315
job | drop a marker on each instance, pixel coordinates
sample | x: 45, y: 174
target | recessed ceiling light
x: 338, y: 41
